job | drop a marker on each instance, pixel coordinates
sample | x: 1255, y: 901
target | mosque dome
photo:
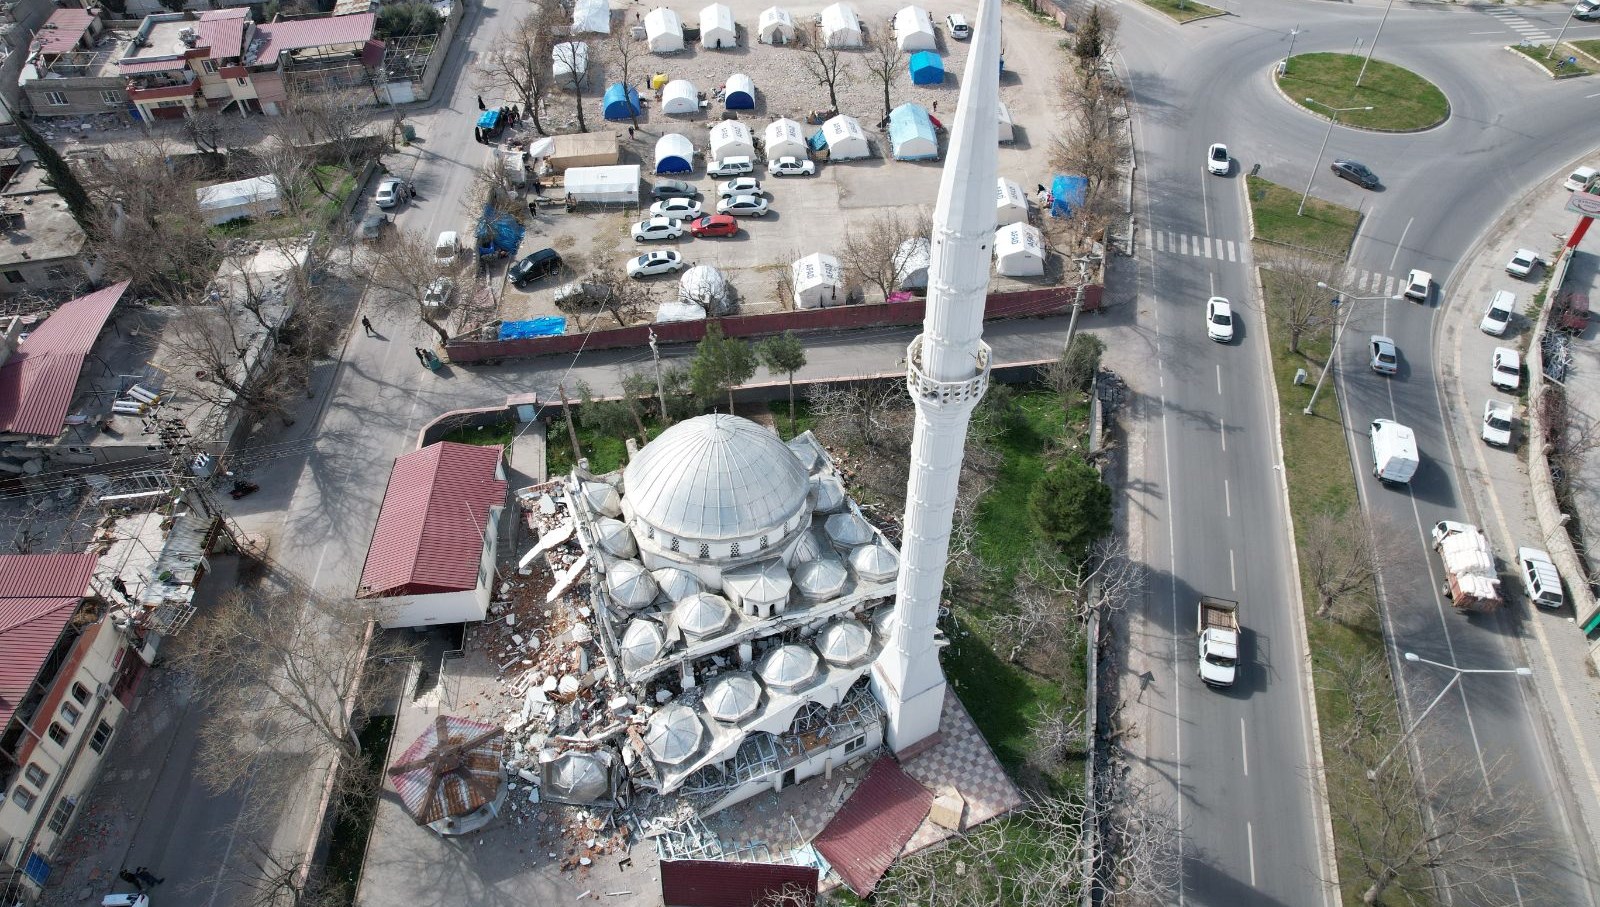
x: 732, y: 697
x: 673, y: 734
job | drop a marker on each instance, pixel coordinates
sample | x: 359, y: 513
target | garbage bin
x: 409, y: 131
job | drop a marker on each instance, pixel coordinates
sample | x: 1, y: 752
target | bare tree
x: 1369, y: 712
x: 403, y: 270
x: 1343, y: 554
x: 1137, y: 847
x: 208, y: 129
x: 614, y: 293
x: 1092, y: 141
x: 872, y: 251
x: 148, y: 226
x: 859, y: 414
x: 886, y: 60
x: 1292, y: 293
x: 520, y: 57
x: 573, y: 56
x: 1056, y: 734
x: 827, y: 65
x: 338, y: 120
x: 621, y: 49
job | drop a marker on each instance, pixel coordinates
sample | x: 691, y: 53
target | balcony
x: 156, y: 87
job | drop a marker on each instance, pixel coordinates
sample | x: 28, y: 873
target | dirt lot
x: 809, y: 214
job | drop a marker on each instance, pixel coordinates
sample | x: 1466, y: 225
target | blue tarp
x: 1066, y: 193
x: 926, y: 68
x: 818, y: 142
x: 911, y: 134
x: 501, y: 234
x: 489, y: 119
x: 548, y: 326
x: 621, y: 102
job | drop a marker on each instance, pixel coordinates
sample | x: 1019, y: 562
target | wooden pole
x: 572, y: 432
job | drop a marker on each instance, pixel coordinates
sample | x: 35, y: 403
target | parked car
x: 1506, y: 371
x: 1540, y: 579
x: 371, y: 227
x: 1217, y: 160
x: 1356, y: 172
x: 665, y: 188
x: 959, y: 29
x: 1497, y: 317
x: 1385, y: 358
x: 744, y: 185
x: 532, y: 267
x: 715, y: 225
x: 743, y: 205
x: 392, y: 190
x: 1419, y: 284
x: 654, y: 228
x: 1522, y: 263
x: 438, y: 294
x: 1219, y: 319
x: 652, y: 263
x: 731, y: 166
x: 1579, y: 179
x: 1497, y: 419
x: 685, y: 208
x: 446, y: 249
x: 791, y: 166
x: 1586, y: 10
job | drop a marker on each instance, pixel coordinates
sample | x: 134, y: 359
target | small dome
x: 630, y: 584
x: 788, y: 668
x: 805, y: 452
x: 642, y: 642
x: 821, y: 579
x: 676, y: 584
x: 614, y: 538
x: 758, y: 584
x: 674, y: 734
x: 703, y: 614
x: 827, y: 494
x: 580, y: 777
x: 602, y: 498
x: 883, y: 621
x: 875, y: 563
x: 732, y: 697
x: 845, y: 643
x: 847, y: 530
x: 808, y: 549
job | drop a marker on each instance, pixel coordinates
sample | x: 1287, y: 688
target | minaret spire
x: 947, y: 372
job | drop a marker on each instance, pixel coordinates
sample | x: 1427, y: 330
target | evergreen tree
x: 1071, y: 507
x: 720, y: 364
x: 783, y: 353
x: 1091, y: 39
x: 60, y: 176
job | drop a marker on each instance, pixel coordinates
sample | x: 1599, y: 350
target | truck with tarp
x: 1472, y: 582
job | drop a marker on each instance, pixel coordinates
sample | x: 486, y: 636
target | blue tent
x: 621, y: 102
x: 926, y: 68
x: 1067, y: 193
x: 911, y: 134
x: 741, y: 92
x: 498, y: 232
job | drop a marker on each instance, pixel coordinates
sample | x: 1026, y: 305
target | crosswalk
x: 1371, y: 283
x: 1525, y: 28
x: 1197, y: 246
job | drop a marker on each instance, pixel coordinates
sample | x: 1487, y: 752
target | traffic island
x: 1182, y: 11
x: 1400, y: 100
x: 1278, y: 217
x: 1566, y: 62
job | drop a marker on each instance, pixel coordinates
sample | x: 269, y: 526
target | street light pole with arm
x: 1455, y: 678
x: 1362, y: 74
x: 1326, y: 136
x: 1338, y: 334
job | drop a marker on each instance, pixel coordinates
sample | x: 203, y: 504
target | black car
x: 532, y: 267
x: 1356, y: 172
x: 673, y: 189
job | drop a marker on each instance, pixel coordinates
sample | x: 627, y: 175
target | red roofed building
x: 40, y: 379
x: 432, y: 555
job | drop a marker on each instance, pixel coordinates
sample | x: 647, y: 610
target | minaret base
x: 913, y: 719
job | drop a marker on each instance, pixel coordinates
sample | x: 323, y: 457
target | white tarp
x: 776, y: 26
x: 913, y: 29
x: 674, y: 154
x: 731, y: 138
x: 663, y: 31
x: 1019, y: 251
x: 1010, y: 204
x: 679, y: 311
x: 1008, y: 133
x: 818, y: 281
x: 706, y: 287
x: 911, y: 263
x: 614, y: 185
x: 785, y: 138
x: 717, y: 30
x: 680, y: 96
x: 846, y: 141
x: 840, y: 26
x: 567, y: 58
x: 251, y: 197
x: 591, y: 16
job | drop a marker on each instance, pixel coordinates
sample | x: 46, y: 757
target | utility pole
x: 572, y: 433
x: 1293, y: 34
x: 1374, y: 46
x: 1562, y: 34
x: 1328, y: 135
x: 1333, y: 355
x: 661, y: 392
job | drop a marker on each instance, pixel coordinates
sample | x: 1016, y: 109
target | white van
x: 1394, y: 451
x: 1539, y: 578
x: 1579, y: 179
x: 959, y: 29
x: 446, y: 249
x: 731, y: 166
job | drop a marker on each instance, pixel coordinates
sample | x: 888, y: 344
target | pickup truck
x: 1472, y: 582
x: 1217, y: 626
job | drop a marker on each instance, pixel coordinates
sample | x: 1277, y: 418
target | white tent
x: 673, y: 310
x: 717, y: 30
x: 680, y: 96
x: 785, y: 138
x: 776, y: 26
x: 706, y: 287
x: 614, y: 185
x: 731, y: 138
x: 911, y: 263
x: 739, y: 92
x: 1010, y: 203
x: 591, y: 16
x: 1019, y: 251
x: 241, y: 198
x: 846, y: 141
x: 663, y: 31
x: 1007, y: 132
x: 840, y: 27
x: 818, y: 281
x: 913, y: 29
x: 567, y: 58
x: 674, y: 154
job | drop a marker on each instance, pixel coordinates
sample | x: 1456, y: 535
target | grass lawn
x: 499, y: 433
x: 1401, y: 100
x: 1590, y: 47
x: 1324, y: 227
x: 339, y: 185
x: 605, y: 453
x: 1184, y: 10
x: 348, y: 850
x: 1553, y: 64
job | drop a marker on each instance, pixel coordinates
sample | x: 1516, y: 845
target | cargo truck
x: 1471, y: 580
x: 1217, y: 626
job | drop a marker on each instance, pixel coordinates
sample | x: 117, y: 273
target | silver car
x: 1385, y: 358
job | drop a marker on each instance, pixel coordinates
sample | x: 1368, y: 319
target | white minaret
x: 947, y: 371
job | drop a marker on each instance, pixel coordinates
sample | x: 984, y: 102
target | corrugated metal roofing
x: 714, y: 883
x: 62, y: 31
x: 874, y: 825
x: 331, y: 31
x: 221, y: 32
x: 38, y: 381
x: 429, y: 536
x: 450, y: 770
x: 38, y: 595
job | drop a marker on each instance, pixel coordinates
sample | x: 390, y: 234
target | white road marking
x: 1183, y: 244
x: 1233, y: 579
x: 1227, y: 498
x: 1232, y: 251
x: 1400, y: 243
x: 1223, y: 425
x: 1250, y: 845
x: 1219, y: 379
x: 1587, y: 96
x: 1208, y: 246
x: 1244, y: 747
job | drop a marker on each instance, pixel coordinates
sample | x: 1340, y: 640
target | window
x: 101, y: 737
x: 80, y: 693
x: 24, y: 798
x: 854, y: 745
x: 113, y: 98
x: 209, y: 65
x: 242, y: 82
x: 62, y: 814
x: 705, y: 550
x: 14, y: 277
x: 733, y: 550
x: 59, y: 734
x: 71, y: 713
x: 36, y: 775
x: 55, y: 99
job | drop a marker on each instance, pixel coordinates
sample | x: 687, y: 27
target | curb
x: 1553, y: 76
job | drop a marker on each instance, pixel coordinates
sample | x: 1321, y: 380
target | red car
x: 715, y: 225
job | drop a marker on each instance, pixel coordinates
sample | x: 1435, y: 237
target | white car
x: 438, y: 293
x: 1506, y: 372
x: 652, y: 263
x: 1217, y: 160
x: 1497, y: 418
x: 1219, y: 319
x: 791, y: 166
x: 681, y: 208
x: 1497, y: 317
x: 1579, y: 179
x: 657, y: 228
x: 743, y: 206
x: 744, y: 185
x: 1522, y: 263
x: 1385, y: 358
x: 1540, y: 580
x: 1418, y: 285
x: 446, y: 249
x: 392, y: 190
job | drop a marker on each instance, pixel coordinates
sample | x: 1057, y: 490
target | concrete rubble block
x: 948, y: 810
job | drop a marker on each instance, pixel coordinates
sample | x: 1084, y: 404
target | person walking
x: 481, y: 105
x: 422, y: 355
x: 144, y: 874
x: 131, y: 879
x: 366, y: 325
x: 630, y: 133
x: 533, y: 208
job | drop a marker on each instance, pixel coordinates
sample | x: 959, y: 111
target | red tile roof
x: 38, y: 381
x: 62, y: 31
x: 429, y: 536
x: 874, y: 825
x: 714, y: 883
x: 38, y: 595
x: 221, y: 32
x: 453, y: 768
x: 330, y: 31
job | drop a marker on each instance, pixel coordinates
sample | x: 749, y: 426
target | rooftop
x: 277, y: 38
x: 39, y: 593
x: 429, y: 537
x: 38, y: 382
x: 63, y: 30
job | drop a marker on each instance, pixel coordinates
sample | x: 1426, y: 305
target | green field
x: 1323, y: 227
x: 1401, y: 100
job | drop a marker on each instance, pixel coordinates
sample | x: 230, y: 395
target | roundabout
x: 1389, y: 98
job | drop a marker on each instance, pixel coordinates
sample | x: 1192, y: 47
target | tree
x: 573, y: 56
x: 520, y: 57
x: 611, y: 291
x: 1343, y: 555
x: 872, y: 251
x: 1292, y: 293
x: 1071, y: 507
x: 1096, y: 34
x: 783, y: 353
x: 1092, y: 142
x: 827, y: 65
x: 147, y: 226
x: 886, y: 60
x: 1073, y: 374
x: 403, y: 270
x: 59, y: 176
x: 404, y: 20
x: 720, y: 364
x: 621, y: 49
x: 208, y: 129
x: 610, y: 418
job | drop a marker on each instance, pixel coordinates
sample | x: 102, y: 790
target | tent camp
x: 911, y: 134
x: 680, y: 96
x: 706, y: 287
x: 621, y: 102
x: 591, y: 16
x: 840, y: 27
x: 911, y: 263
x: 818, y: 281
x: 663, y: 31
x: 785, y: 138
x: 569, y: 58
x: 226, y: 202
x: 776, y: 26
x: 1010, y: 204
x: 844, y: 138
x: 913, y: 29
x: 616, y: 185
x: 1019, y: 251
x: 1066, y: 194
x: 926, y: 68
x: 674, y: 154
x: 731, y: 138
x: 717, y: 29
x: 740, y: 92
x: 1008, y: 133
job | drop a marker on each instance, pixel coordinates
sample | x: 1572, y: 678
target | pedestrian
x: 630, y: 133
x: 131, y: 879
x: 122, y: 589
x: 1041, y: 189
x: 481, y: 105
x: 422, y: 355
x: 477, y: 135
x: 366, y: 325
x: 533, y: 208
x: 144, y: 874
x: 935, y: 106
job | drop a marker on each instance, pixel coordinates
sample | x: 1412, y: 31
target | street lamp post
x: 1326, y: 136
x: 1374, y: 46
x: 1455, y: 678
x: 1293, y: 34
x: 1570, y: 13
x: 1338, y: 334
